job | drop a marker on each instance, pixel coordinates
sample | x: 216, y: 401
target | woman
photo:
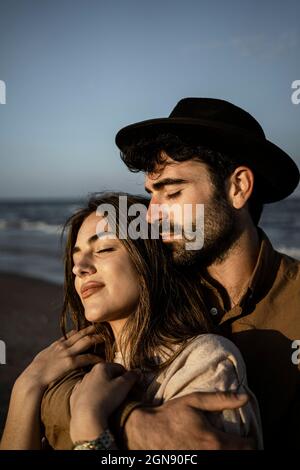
x: 148, y: 317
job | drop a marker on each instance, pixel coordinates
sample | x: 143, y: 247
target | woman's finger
x: 70, y: 333
x: 83, y: 360
x: 89, y: 330
x: 124, y: 384
x: 84, y: 343
x: 110, y: 369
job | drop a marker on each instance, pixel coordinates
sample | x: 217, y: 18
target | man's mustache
x: 172, y: 229
x: 175, y: 229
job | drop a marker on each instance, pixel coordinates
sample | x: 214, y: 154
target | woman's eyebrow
x: 92, y: 239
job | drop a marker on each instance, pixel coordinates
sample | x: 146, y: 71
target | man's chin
x: 180, y: 255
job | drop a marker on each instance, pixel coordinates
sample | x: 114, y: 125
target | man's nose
x: 153, y: 213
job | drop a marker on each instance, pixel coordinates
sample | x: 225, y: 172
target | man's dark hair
x: 146, y: 154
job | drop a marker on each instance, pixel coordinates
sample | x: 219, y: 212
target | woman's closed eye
x: 174, y: 195
x: 104, y: 250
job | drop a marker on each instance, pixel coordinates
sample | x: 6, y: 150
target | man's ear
x: 240, y: 186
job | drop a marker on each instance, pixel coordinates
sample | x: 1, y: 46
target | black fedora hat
x: 225, y: 127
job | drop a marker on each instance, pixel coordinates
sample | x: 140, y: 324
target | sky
x: 76, y: 71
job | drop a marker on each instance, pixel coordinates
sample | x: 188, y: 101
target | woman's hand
x: 22, y: 430
x: 93, y: 399
x: 60, y: 357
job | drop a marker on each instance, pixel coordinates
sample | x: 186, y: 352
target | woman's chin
x: 94, y: 316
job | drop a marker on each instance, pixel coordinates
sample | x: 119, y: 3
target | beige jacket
x: 209, y: 363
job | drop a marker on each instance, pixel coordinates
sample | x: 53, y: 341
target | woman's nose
x: 83, y: 268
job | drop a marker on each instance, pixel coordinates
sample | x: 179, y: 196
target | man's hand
x: 179, y: 424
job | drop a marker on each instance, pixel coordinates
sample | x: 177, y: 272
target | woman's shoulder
x: 208, y: 362
x: 211, y: 349
x: 211, y: 341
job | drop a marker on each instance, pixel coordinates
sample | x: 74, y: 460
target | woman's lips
x: 90, y: 289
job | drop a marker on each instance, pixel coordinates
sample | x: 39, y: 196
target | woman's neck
x: 117, y: 328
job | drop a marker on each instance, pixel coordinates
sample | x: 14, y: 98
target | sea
x: 31, y: 243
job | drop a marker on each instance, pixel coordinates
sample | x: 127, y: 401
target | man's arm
x: 149, y: 428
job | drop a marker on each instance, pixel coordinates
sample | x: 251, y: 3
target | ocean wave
x: 41, y: 227
x: 290, y: 251
x: 29, y: 225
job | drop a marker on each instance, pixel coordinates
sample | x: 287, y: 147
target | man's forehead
x: 175, y: 169
x: 162, y: 168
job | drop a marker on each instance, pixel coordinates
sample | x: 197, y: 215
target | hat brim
x: 277, y: 174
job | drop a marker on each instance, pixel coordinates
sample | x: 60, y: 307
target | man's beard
x: 221, y: 230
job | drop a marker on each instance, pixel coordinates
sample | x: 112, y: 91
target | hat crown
x: 215, y: 110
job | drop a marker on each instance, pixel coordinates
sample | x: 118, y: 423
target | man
x: 213, y: 153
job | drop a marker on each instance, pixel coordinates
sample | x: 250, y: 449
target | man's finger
x: 216, y: 401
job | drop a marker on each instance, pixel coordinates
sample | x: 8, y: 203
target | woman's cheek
x: 123, y: 279
x: 77, y: 286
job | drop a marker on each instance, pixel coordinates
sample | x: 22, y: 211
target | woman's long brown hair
x: 171, y: 309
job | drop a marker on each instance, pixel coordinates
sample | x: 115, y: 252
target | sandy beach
x: 29, y: 321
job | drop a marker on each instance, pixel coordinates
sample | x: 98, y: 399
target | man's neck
x: 234, y: 272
